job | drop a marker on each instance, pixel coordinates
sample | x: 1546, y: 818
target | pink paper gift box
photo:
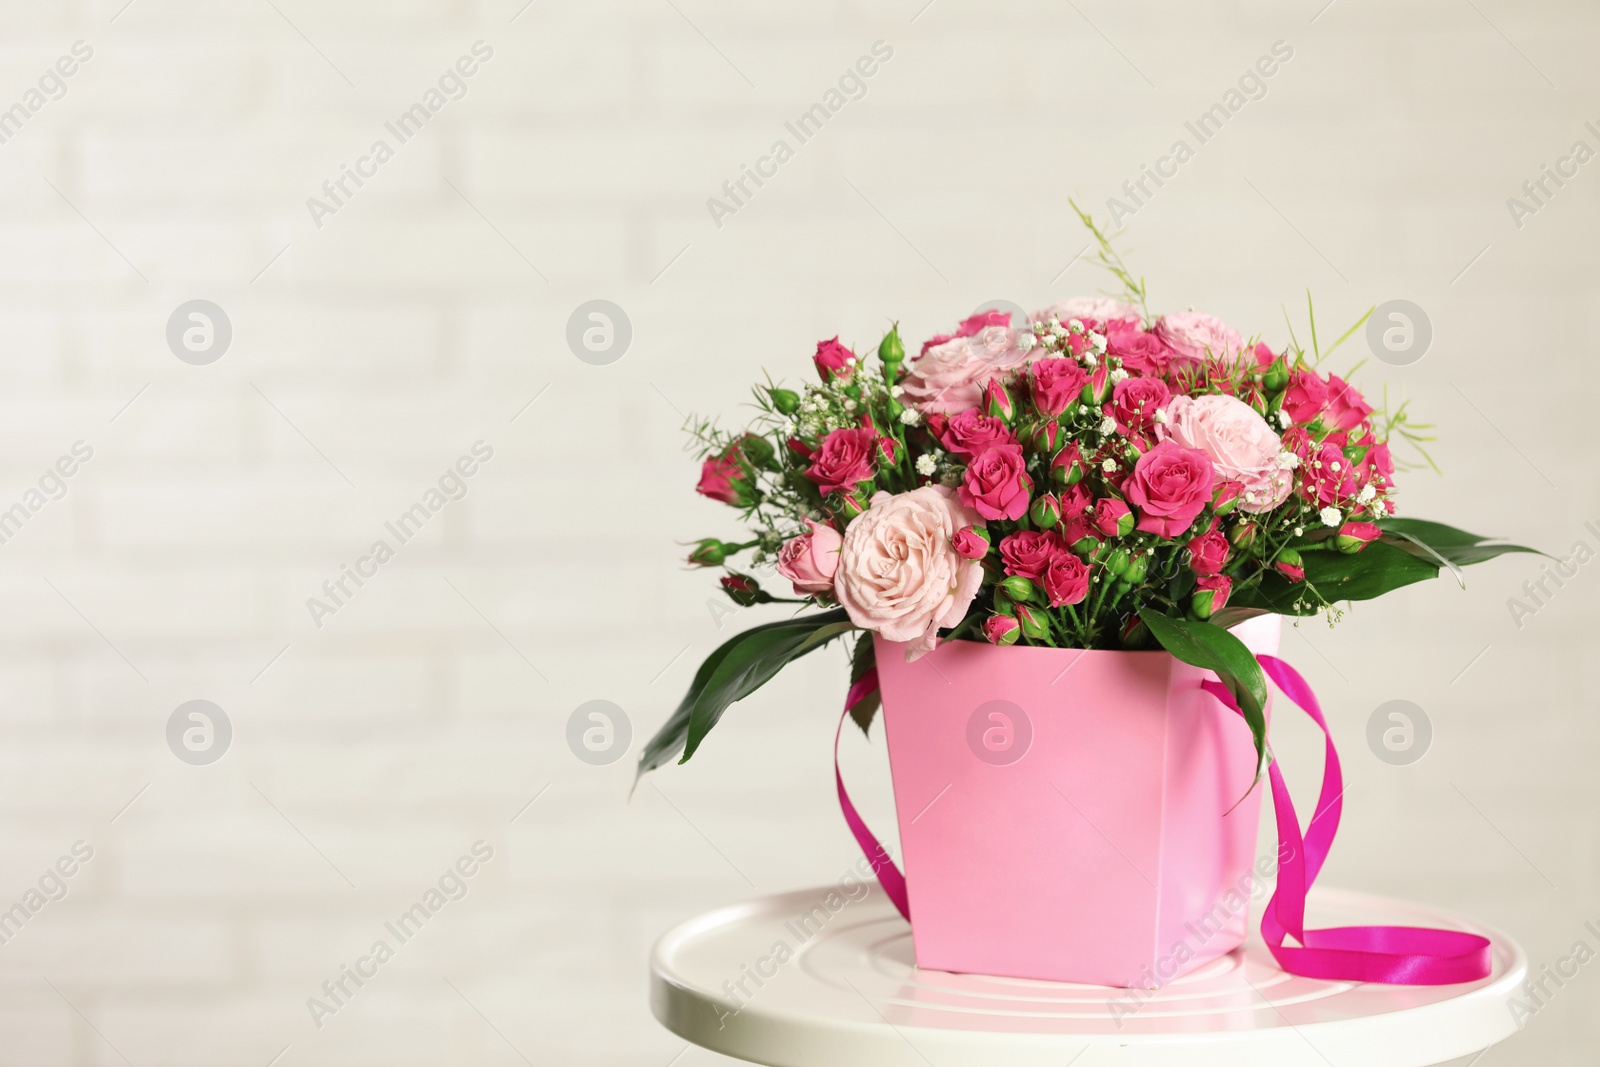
x: 1065, y: 814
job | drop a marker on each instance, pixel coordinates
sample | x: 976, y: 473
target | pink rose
x: 1195, y: 336
x: 1000, y: 348
x: 1135, y: 401
x: 1211, y: 594
x: 1075, y: 500
x: 1002, y: 629
x: 1141, y: 352
x: 845, y: 458
x: 1113, y: 517
x: 834, y: 360
x: 1056, y: 384
x: 967, y: 433
x: 899, y: 572
x: 971, y: 542
x: 1306, y: 396
x: 1208, y: 552
x: 970, y: 326
x: 1239, y: 442
x: 996, y: 484
x: 1170, y: 485
x: 1346, y: 407
x: 1066, y: 580
x: 721, y: 478
x: 1329, y: 476
x: 1378, y: 465
x: 947, y: 378
x: 810, y: 560
x: 1086, y: 308
x: 1028, y: 552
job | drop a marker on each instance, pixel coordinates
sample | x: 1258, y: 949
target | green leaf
x: 1428, y: 539
x: 1210, y: 647
x: 1232, y: 616
x: 862, y: 660
x: 737, y: 668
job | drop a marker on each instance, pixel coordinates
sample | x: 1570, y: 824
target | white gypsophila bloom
x: 926, y: 465
x: 897, y: 391
x: 1075, y: 325
x: 1109, y: 465
x: 1098, y: 341
x: 1299, y: 531
x: 1026, y: 341
x: 1057, y: 329
x: 1332, y: 516
x: 1288, y: 461
x: 849, y: 405
x: 1368, y: 491
x: 1284, y: 420
x: 1160, y: 416
x: 1089, y: 360
x: 1108, y: 425
x: 910, y: 416
x: 1118, y: 374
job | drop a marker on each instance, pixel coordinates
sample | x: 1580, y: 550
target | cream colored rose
x: 899, y: 573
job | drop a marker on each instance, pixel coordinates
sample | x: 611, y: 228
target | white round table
x: 758, y: 982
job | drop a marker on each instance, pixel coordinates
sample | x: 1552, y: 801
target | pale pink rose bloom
x: 1099, y: 308
x: 810, y: 560
x: 948, y: 378
x: 1193, y: 335
x: 899, y: 572
x: 1241, y: 445
x: 1002, y: 349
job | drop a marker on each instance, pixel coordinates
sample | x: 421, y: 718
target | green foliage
x: 1210, y: 647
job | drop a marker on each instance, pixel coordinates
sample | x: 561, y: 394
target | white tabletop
x: 845, y: 992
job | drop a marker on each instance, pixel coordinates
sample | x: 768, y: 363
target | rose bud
x: 1003, y: 604
x: 1067, y: 466
x: 1045, y: 437
x: 1226, y: 497
x: 892, y: 352
x: 1046, y: 511
x: 1020, y: 589
x: 1066, y: 580
x: 997, y: 402
x: 724, y: 478
x: 1113, y: 517
x: 801, y: 449
x: 1056, y: 385
x: 709, y: 552
x: 1210, y: 595
x: 1135, y: 634
x: 1243, y: 535
x: 758, y: 450
x: 810, y: 560
x: 1138, y: 566
x: 744, y: 590
x: 890, y: 450
x: 834, y: 361
x: 1035, y: 623
x: 1288, y: 565
x: 1354, y: 536
x: 853, y: 504
x: 971, y: 542
x: 1277, y: 375
x: 1116, y: 561
x: 1208, y: 553
x: 1002, y: 629
x: 1098, y: 387
x: 786, y: 401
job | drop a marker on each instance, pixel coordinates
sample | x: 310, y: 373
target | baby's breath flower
x: 926, y: 464
x: 1332, y: 516
x: 1366, y: 495
x: 1288, y: 461
x: 1108, y: 425
x: 1118, y: 375
x: 910, y: 416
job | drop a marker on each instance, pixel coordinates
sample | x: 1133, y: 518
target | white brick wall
x: 410, y: 325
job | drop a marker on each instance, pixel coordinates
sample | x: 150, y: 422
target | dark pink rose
x: 1306, y: 396
x: 972, y: 326
x: 971, y: 542
x: 1075, y: 500
x: 1135, y: 401
x: 834, y: 360
x: 1354, y: 536
x: 1264, y: 356
x: 722, y: 478
x: 1328, y: 476
x: 1066, y: 580
x: 1346, y: 407
x: 1113, y: 517
x: 1208, y: 552
x: 1140, y: 352
x: 1056, y: 384
x: 845, y: 458
x: 1378, y: 465
x: 1028, y: 552
x: 996, y: 484
x: 1002, y: 629
x: 1170, y: 485
x: 966, y: 433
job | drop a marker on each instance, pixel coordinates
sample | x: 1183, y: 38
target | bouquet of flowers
x: 1095, y: 477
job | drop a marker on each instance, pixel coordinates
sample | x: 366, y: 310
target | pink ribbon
x: 1395, y: 955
